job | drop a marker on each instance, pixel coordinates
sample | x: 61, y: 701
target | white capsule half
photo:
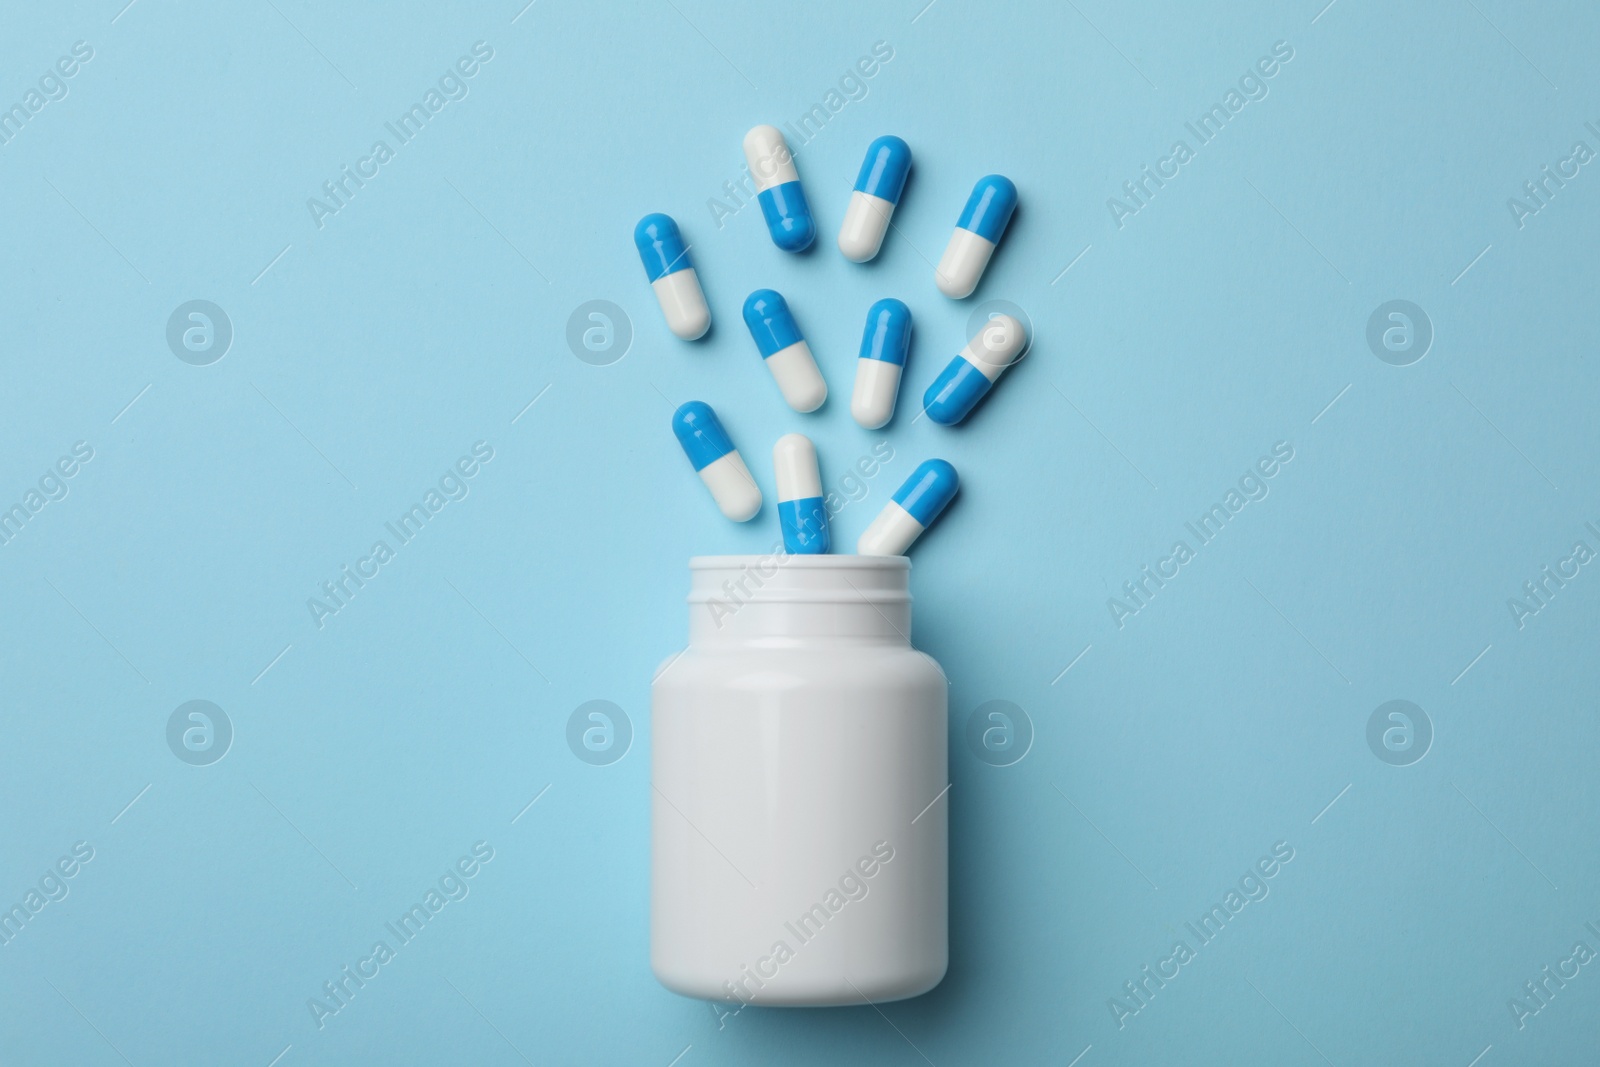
x: 798, y: 377
x: 877, y: 386
x: 866, y: 221
x: 771, y: 162
x: 683, y: 304
x: 891, y: 533
x: 732, y: 487
x: 963, y: 263
x: 794, y: 467
x: 996, y: 346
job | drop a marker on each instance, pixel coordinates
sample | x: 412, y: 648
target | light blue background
x: 372, y: 352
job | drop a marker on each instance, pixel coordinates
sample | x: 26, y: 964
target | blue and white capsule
x: 983, y: 222
x: 783, y: 201
x: 784, y: 350
x: 802, y: 513
x: 878, y: 188
x: 914, y: 507
x: 719, y: 464
x: 672, y: 276
x: 970, y: 375
x: 884, y: 346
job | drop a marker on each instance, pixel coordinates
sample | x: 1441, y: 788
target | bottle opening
x: 784, y: 577
x: 783, y: 596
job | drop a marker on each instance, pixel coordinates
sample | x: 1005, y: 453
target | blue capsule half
x: 700, y: 433
x: 804, y: 524
x: 883, y: 172
x: 955, y: 392
x: 989, y: 208
x: 928, y: 491
x: 771, y: 322
x: 660, y: 246
x: 888, y: 333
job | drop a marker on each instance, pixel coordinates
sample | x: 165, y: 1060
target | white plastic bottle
x: 799, y: 814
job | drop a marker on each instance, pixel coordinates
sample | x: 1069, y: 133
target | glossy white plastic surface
x: 732, y: 487
x: 891, y: 533
x: 996, y: 346
x: 877, y: 387
x: 865, y: 223
x: 798, y: 377
x: 962, y: 264
x: 794, y: 468
x: 771, y: 162
x: 798, y: 757
x: 683, y: 303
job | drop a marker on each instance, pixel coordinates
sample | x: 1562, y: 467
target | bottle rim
x: 826, y: 562
x: 729, y: 583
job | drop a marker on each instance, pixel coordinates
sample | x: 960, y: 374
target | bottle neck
x: 781, y: 599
